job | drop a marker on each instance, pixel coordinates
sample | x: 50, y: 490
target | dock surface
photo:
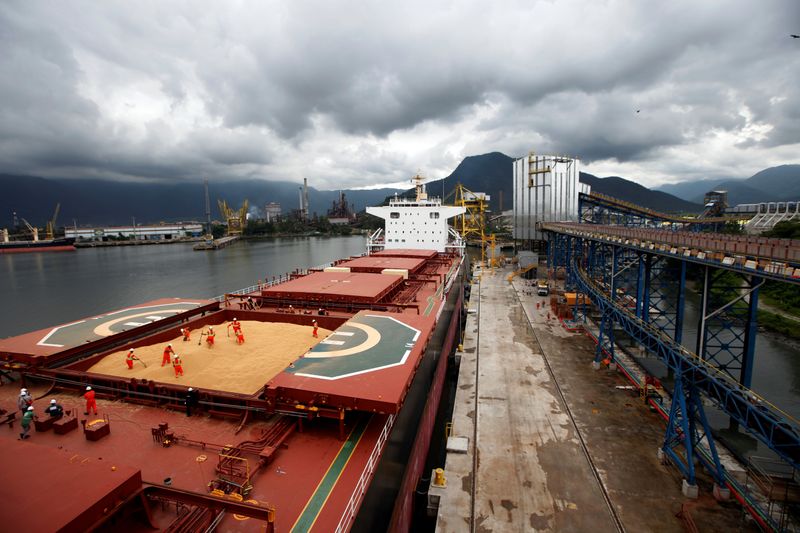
x: 551, y: 444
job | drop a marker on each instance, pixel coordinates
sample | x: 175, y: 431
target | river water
x: 43, y: 289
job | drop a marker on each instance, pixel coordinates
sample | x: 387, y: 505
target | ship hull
x: 55, y: 245
x: 388, y: 504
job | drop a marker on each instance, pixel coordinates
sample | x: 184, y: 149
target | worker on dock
x: 168, y: 353
x: 27, y: 418
x: 210, y: 337
x: 24, y: 401
x: 55, y: 410
x: 129, y: 359
x: 315, y: 333
x: 91, y: 404
x: 176, y: 364
x: 192, y: 400
x: 186, y: 334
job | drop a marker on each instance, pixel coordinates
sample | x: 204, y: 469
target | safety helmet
x: 88, y: 388
x: 23, y: 391
x: 30, y: 408
x: 53, y: 400
x: 169, y: 345
x: 190, y: 389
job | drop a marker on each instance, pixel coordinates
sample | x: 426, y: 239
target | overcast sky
x: 350, y: 94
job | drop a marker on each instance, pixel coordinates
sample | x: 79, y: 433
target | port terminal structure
x: 636, y: 277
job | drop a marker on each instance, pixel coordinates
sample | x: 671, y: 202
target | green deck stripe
x: 438, y: 291
x: 323, y: 491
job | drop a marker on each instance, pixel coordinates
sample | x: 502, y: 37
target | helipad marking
x: 343, y: 333
x: 335, y: 343
x: 52, y: 331
x: 104, y: 329
x: 154, y: 317
x: 135, y: 324
x: 373, y: 338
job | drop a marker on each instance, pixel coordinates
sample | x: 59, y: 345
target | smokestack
x: 302, y: 211
x: 305, y: 198
x: 208, y: 208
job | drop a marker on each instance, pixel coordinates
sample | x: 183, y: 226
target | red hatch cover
x: 407, y: 252
x: 46, y: 489
x: 374, y: 264
x: 336, y: 287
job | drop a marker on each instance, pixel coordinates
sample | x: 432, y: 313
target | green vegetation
x: 789, y: 229
x: 784, y: 296
x: 773, y: 322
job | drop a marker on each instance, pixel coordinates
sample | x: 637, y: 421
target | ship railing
x: 363, y: 482
x: 267, y: 283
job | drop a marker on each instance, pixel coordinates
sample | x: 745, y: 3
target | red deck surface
x: 374, y: 264
x: 336, y: 286
x: 49, y: 489
x: 48, y: 341
x: 407, y: 252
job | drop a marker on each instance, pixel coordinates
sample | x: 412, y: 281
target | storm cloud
x: 351, y: 94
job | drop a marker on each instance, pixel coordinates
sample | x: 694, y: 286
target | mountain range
x: 99, y: 202
x: 774, y: 184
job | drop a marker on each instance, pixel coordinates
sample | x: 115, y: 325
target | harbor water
x: 47, y: 289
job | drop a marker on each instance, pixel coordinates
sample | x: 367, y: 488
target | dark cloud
x: 352, y: 95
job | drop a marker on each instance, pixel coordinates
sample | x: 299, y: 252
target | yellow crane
x: 472, y: 223
x: 51, y: 224
x: 236, y: 219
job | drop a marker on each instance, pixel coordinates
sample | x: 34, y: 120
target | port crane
x: 51, y: 224
x: 236, y: 219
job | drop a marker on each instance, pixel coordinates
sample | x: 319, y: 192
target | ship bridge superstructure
x: 419, y: 223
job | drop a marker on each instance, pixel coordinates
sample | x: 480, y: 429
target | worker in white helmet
x: 24, y: 401
x: 168, y: 353
x: 91, y: 404
x: 27, y: 418
x: 54, y: 409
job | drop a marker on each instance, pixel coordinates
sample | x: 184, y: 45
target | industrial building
x: 272, y: 211
x: 158, y: 232
x: 546, y: 189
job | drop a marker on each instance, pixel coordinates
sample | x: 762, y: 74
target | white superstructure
x: 416, y: 224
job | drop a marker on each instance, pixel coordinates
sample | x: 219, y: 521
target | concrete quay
x: 551, y: 444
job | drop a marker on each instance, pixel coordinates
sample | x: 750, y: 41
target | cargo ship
x: 315, y: 414
x: 48, y: 245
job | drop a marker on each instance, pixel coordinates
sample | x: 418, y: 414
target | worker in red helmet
x: 176, y: 364
x: 316, y: 328
x: 168, y: 353
x: 91, y: 404
x: 129, y: 359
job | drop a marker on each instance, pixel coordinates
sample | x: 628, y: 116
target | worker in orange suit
x: 236, y: 326
x: 210, y: 337
x: 168, y: 352
x: 129, y: 359
x: 176, y: 364
x: 91, y: 404
x: 186, y: 334
x: 316, y: 328
x: 239, y: 335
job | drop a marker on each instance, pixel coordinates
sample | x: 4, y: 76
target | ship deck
x: 336, y: 394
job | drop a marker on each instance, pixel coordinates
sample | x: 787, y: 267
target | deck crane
x: 51, y: 224
x: 34, y: 231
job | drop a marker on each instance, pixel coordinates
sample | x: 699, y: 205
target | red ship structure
x: 338, y: 439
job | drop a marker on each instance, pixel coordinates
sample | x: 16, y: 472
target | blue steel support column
x: 751, y: 330
x: 648, y: 276
x: 680, y: 305
x: 640, y: 286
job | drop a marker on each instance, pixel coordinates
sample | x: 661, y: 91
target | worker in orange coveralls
x: 91, y: 404
x: 210, y: 337
x: 129, y: 359
x: 168, y: 351
x: 176, y: 364
x: 239, y: 335
x: 186, y: 333
x: 236, y: 326
x: 316, y: 328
